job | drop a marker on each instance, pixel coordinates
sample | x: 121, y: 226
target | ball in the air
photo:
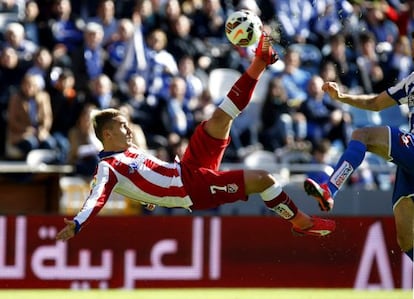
x: 243, y: 28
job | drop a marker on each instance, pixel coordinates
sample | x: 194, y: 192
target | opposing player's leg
x: 218, y: 126
x: 372, y: 139
x: 404, y: 224
x: 262, y: 182
x: 402, y: 153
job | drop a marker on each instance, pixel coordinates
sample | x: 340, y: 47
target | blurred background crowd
x: 163, y: 62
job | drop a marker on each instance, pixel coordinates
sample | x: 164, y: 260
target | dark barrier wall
x: 181, y: 251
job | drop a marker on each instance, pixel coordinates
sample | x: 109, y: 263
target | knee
x: 404, y: 242
x: 359, y: 134
x: 258, y: 181
x: 265, y: 178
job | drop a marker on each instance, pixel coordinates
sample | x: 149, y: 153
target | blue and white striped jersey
x: 403, y: 93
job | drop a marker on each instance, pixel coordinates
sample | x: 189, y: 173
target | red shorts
x: 207, y: 186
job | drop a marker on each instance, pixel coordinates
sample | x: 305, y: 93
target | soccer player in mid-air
x: 392, y: 144
x: 195, y: 182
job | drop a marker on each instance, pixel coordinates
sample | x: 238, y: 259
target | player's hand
x: 332, y: 89
x: 148, y: 206
x: 68, y: 231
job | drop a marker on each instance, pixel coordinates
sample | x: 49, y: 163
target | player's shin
x: 279, y: 202
x: 409, y: 253
x: 240, y: 93
x: 350, y: 160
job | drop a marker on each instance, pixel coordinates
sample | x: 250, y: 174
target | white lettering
x: 283, y: 211
x: 50, y: 262
x: 159, y: 271
x: 406, y: 272
x: 215, y: 188
x: 16, y: 271
x: 215, y: 248
x: 374, y: 251
x: 342, y: 174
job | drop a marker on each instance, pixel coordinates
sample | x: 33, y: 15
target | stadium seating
x: 220, y: 81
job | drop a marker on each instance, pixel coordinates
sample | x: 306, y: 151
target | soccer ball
x: 243, y: 28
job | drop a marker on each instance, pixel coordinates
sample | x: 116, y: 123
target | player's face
x: 119, y: 135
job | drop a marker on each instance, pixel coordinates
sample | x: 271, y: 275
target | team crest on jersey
x: 93, y: 182
x: 232, y: 188
x: 410, y: 99
x: 406, y: 140
x: 132, y: 167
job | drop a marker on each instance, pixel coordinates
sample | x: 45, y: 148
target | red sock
x: 242, y: 91
x: 283, y: 205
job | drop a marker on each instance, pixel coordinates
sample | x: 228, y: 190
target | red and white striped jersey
x: 138, y: 175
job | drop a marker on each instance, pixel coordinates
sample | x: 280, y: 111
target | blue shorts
x: 402, y: 153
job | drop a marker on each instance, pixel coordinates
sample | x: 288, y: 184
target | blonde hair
x: 102, y: 120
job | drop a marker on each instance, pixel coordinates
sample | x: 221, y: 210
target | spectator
x: 176, y: 147
x: 294, y: 17
x: 63, y: 31
x: 145, y: 111
x: 209, y: 21
x: 145, y: 14
x: 162, y: 65
x: 320, y: 157
x: 404, y: 18
x: 205, y: 107
x: 401, y: 57
x: 118, y: 47
x: 66, y: 107
x: 101, y: 93
x: 30, y: 23
x: 329, y: 17
x: 15, y: 37
x: 177, y: 117
x: 344, y: 59
x: 208, y: 25
x: 84, y: 9
x: 294, y: 78
x: 194, y: 83
x: 135, y: 60
x: 328, y: 71
x: 370, y: 67
x: 281, y: 124
x: 42, y: 64
x: 355, y: 22
x: 123, y: 8
x: 181, y: 43
x: 12, y: 70
x: 29, y: 120
x: 325, y: 120
x: 90, y: 60
x: 383, y: 29
x: 169, y: 15
x: 105, y: 16
x: 84, y: 146
x: 10, y: 6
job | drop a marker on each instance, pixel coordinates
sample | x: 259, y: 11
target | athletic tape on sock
x: 284, y: 211
x: 279, y: 203
x: 339, y: 177
x: 229, y: 107
x: 272, y: 192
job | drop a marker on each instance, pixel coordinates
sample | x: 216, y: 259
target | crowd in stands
x: 62, y: 59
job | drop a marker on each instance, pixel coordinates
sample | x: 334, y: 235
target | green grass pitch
x: 208, y: 294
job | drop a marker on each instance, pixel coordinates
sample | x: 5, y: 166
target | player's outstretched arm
x: 68, y: 231
x: 332, y: 89
x: 372, y: 102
